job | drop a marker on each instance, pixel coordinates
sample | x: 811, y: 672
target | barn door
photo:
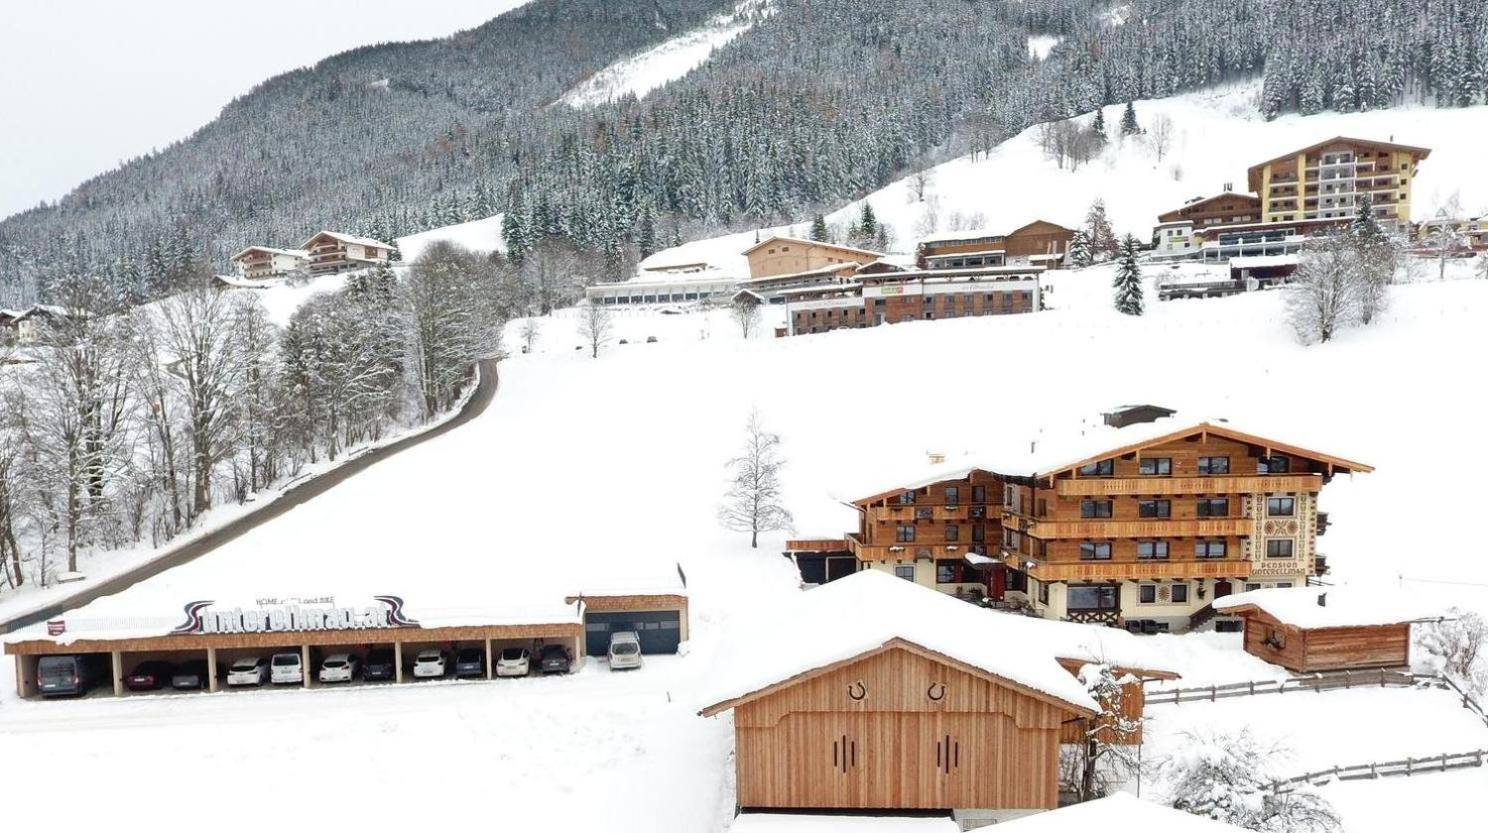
x: 950, y: 744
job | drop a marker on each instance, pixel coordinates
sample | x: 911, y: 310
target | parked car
x: 650, y: 339
x: 514, y: 662
x: 340, y: 668
x: 150, y: 675
x: 625, y: 650
x: 192, y: 675
x: 380, y: 665
x: 624, y: 341
x: 430, y: 663
x: 554, y: 659
x: 286, y: 667
x: 470, y: 662
x: 248, y: 671
x: 68, y: 674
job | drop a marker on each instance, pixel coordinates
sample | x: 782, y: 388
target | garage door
x: 660, y: 630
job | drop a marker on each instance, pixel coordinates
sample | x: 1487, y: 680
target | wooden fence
x: 1385, y: 769
x: 1322, y: 681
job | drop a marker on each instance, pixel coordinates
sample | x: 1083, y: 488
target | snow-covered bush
x: 1457, y: 648
x: 1227, y: 776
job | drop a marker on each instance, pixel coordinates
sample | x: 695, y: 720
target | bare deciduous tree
x: 1160, y: 135
x: 531, y: 329
x: 1323, y: 297
x: 753, y: 502
x: 596, y: 326
x: 1107, y: 757
x: 746, y: 313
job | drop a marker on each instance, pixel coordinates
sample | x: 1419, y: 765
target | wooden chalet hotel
x: 1142, y: 522
x: 825, y: 286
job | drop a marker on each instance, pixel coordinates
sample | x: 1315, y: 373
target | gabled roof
x: 346, y: 238
x: 1253, y: 173
x: 778, y: 238
x: 1118, y: 812
x: 1249, y: 198
x: 300, y: 253
x: 1342, y: 607
x: 871, y: 612
x: 1024, y: 228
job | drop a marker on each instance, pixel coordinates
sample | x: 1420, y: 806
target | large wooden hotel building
x: 1143, y: 523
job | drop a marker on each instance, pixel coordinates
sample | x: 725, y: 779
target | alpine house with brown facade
x: 1142, y: 526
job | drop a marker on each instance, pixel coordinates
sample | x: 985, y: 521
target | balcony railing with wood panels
x: 1134, y: 570
x: 1145, y: 528
x: 1220, y: 484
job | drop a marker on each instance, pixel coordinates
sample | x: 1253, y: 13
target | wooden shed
x: 1327, y: 628
x: 875, y: 693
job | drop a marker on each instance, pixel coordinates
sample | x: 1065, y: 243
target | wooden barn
x: 872, y: 692
x: 1326, y: 628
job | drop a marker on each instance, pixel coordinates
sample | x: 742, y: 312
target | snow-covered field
x: 669, y: 60
x: 1217, y: 135
x: 619, y: 463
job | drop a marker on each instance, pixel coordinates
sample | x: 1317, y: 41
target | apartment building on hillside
x: 1141, y: 526
x: 1330, y: 179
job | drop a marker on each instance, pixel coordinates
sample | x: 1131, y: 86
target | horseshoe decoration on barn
x: 936, y: 692
x: 857, y: 691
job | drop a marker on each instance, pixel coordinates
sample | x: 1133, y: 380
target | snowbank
x: 1119, y: 811
x: 483, y: 235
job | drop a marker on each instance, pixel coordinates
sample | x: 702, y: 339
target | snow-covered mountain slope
x: 669, y: 60
x: 577, y: 461
x: 483, y: 235
x: 1217, y: 134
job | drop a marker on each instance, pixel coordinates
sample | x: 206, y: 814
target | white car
x: 430, y: 662
x: 286, y: 668
x: 339, y: 668
x: 625, y: 650
x: 248, y: 671
x: 514, y: 662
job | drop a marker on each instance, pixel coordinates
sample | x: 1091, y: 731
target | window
x: 1155, y: 508
x: 1209, y: 549
x: 947, y: 572
x: 1010, y: 497
x: 978, y: 533
x: 979, y: 494
x: 906, y: 498
x: 905, y: 572
x: 924, y: 513
x: 952, y: 532
x: 1155, y: 465
x: 1148, y: 550
x: 1281, y: 507
x: 1283, y: 584
x: 1095, y: 550
x: 1249, y: 586
x: 1147, y: 594
x: 1279, y: 547
x: 1180, y: 593
x: 953, y: 496
x: 1043, y: 592
x: 1100, y: 468
x: 1273, y: 465
x: 1091, y: 597
x: 1095, y: 508
x: 1214, y: 465
x: 904, y: 534
x: 1214, y: 507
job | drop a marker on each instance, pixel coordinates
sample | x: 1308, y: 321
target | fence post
x: 1444, y: 762
x: 1252, y: 687
x: 1213, y: 693
x: 1373, y: 769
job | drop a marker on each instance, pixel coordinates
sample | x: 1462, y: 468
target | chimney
x: 936, y: 458
x: 1322, y: 600
x: 1229, y: 186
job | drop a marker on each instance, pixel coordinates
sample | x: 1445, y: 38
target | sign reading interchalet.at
x: 308, y: 615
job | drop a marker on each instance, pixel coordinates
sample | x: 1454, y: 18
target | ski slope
x: 669, y: 60
x: 1217, y: 135
x: 617, y: 465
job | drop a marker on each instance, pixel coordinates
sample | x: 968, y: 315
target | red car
x: 150, y: 675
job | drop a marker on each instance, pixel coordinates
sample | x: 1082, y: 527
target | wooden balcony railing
x: 911, y: 550
x: 1213, y: 485
x: 1147, y: 528
x: 1133, y: 570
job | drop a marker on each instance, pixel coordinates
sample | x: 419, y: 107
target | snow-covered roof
x: 829, y: 269
x: 247, y: 283
x: 871, y: 610
x: 977, y: 559
x: 961, y: 236
x: 1342, y: 607
x: 1119, y: 811
x: 1262, y: 261
x: 1056, y: 451
x: 780, y: 238
x: 299, y: 253
x: 345, y: 238
x: 796, y: 823
x: 965, y: 254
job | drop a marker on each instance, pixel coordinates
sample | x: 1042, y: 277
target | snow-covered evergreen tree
x: 819, y: 231
x: 1098, y: 231
x: 1079, y: 254
x: 1128, y: 282
x: 1129, y: 126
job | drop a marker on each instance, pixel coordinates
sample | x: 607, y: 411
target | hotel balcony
x: 1146, y: 528
x: 913, y: 550
x: 1044, y: 570
x: 1215, y: 485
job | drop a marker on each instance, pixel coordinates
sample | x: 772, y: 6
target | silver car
x: 625, y: 650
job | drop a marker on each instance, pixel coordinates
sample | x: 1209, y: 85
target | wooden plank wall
x: 1328, y: 649
x: 980, y: 745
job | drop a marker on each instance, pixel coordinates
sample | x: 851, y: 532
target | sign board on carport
x: 660, y: 630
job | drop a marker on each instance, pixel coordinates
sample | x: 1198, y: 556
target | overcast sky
x: 87, y: 84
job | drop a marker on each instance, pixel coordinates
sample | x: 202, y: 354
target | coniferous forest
x: 818, y: 103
